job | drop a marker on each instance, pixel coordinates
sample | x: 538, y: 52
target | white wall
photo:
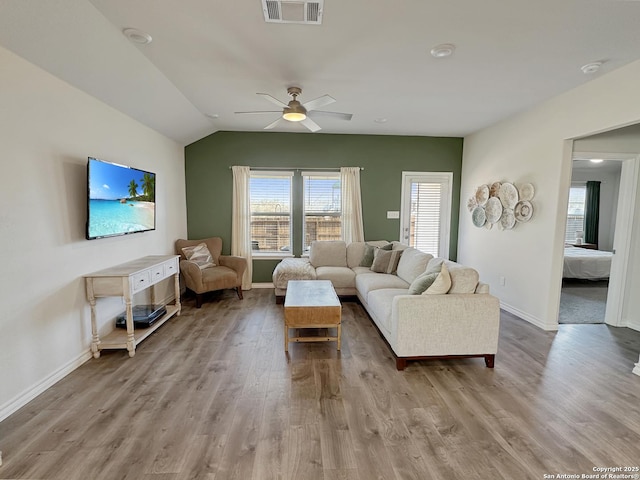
x: 47, y: 130
x: 609, y: 189
x: 535, y: 147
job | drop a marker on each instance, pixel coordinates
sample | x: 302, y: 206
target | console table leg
x: 176, y: 283
x: 131, y: 341
x: 95, y: 339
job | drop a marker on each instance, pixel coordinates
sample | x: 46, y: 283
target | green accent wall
x: 209, y: 181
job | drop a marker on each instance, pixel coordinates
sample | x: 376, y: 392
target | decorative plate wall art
x: 526, y: 191
x: 508, y: 195
x: 493, y: 209
x: 482, y: 195
x: 523, y: 211
x: 479, y: 216
x: 503, y: 204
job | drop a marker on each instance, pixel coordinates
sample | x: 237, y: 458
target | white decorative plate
x: 523, y: 211
x: 479, y: 216
x: 482, y: 195
x: 494, y: 189
x: 526, y: 192
x: 508, y: 195
x: 508, y: 220
x: 472, y: 203
x: 493, y: 209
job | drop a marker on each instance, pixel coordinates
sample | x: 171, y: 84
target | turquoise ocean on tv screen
x: 111, y: 217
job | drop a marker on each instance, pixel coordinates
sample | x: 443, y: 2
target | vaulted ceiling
x: 209, y: 58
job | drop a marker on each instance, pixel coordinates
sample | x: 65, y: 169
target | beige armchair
x: 227, y: 272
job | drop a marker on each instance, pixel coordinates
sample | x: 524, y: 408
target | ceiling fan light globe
x: 294, y: 116
x: 294, y: 112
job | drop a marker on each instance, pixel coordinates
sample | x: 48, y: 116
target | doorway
x: 618, y: 221
x: 425, y: 212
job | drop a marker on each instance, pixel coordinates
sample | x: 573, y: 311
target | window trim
x: 312, y: 173
x: 264, y: 255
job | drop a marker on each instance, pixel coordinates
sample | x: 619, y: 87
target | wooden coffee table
x: 311, y: 304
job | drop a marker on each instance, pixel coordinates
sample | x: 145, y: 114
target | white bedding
x: 586, y: 264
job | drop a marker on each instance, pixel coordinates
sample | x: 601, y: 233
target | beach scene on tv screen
x: 121, y: 200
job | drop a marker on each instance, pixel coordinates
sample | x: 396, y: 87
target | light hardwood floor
x: 212, y: 395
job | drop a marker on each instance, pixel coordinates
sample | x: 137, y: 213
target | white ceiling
x: 210, y: 57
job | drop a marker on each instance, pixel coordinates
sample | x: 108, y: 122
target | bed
x: 586, y: 264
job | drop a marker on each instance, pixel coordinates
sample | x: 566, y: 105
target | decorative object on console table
x: 125, y: 280
x: 588, y: 246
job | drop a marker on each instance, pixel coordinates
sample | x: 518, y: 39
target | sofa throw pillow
x: 442, y: 283
x: 422, y: 282
x: 367, y: 259
x: 386, y: 261
x: 200, y: 255
x: 435, y: 265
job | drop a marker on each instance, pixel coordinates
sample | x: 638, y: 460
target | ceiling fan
x: 294, y: 111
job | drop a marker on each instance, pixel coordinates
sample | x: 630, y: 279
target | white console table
x: 125, y: 280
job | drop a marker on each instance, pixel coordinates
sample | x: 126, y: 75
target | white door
x: 425, y: 215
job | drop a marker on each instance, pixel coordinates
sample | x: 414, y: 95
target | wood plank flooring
x: 212, y: 395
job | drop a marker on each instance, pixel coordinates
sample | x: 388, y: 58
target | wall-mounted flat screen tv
x: 121, y: 200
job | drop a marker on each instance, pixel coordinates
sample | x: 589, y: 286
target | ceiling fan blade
x: 319, y: 102
x: 322, y: 113
x: 310, y: 124
x: 262, y: 111
x: 273, y: 125
x: 271, y: 99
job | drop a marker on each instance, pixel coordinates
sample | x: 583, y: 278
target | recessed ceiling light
x: 380, y: 120
x: 443, y: 50
x: 212, y: 115
x: 596, y: 160
x: 137, y: 36
x: 590, y: 68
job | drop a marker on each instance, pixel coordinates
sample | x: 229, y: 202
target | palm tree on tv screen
x: 149, y: 187
x: 133, y: 189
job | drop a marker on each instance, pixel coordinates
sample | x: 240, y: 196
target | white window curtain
x: 241, y: 221
x: 352, y: 225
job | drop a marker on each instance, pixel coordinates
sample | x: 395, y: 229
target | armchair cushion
x: 200, y: 255
x: 214, y: 245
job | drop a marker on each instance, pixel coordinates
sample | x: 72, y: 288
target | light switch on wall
x: 393, y: 214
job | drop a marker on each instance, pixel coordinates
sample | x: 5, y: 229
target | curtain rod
x: 296, y: 168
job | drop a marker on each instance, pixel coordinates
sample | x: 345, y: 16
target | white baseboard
x: 529, y: 318
x: 32, y: 392
x: 635, y: 325
x: 262, y: 285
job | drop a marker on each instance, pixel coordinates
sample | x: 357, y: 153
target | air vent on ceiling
x: 293, y: 11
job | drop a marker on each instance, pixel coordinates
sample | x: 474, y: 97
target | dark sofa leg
x: 401, y: 363
x: 489, y: 360
x: 198, y: 300
x: 239, y: 290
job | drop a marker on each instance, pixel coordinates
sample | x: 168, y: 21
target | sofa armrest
x: 453, y: 324
x: 239, y: 264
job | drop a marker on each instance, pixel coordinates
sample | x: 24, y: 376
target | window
x: 426, y: 211
x: 322, y: 207
x: 270, y: 212
x: 575, y: 213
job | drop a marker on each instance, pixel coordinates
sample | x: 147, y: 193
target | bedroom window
x: 270, y: 194
x: 575, y: 213
x: 322, y: 207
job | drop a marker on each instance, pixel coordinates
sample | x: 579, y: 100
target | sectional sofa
x: 463, y: 322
